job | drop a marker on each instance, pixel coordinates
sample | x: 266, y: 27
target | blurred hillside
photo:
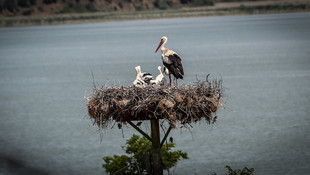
x: 47, y: 7
x: 46, y: 12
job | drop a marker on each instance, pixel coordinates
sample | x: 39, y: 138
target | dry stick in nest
x: 182, y: 104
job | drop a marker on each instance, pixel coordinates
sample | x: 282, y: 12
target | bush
x: 26, y: 3
x: 169, y: 3
x: 139, y: 8
x: 203, y: 2
x: 186, y: 1
x: 1, y: 5
x: 11, y: 5
x: 244, y: 171
x: 40, y: 9
x: 163, y: 4
x: 28, y: 12
x: 199, y: 2
x: 135, y: 147
x: 156, y: 3
x: 116, y: 162
x: 90, y: 7
x: 33, y: 2
x: 120, y: 4
x: 23, y: 3
x: 78, y: 8
x: 49, y: 1
x: 67, y: 9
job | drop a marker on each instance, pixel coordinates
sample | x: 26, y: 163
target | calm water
x: 264, y: 61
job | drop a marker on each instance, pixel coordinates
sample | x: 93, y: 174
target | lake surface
x: 264, y: 61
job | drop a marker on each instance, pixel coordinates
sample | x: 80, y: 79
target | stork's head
x: 159, y: 69
x: 163, y: 39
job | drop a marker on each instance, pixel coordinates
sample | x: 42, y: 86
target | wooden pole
x: 155, y: 136
x: 156, y: 156
x: 156, y: 159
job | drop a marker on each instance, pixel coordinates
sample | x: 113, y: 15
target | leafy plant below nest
x: 135, y: 147
x: 244, y: 171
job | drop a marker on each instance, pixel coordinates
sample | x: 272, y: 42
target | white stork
x: 160, y: 79
x: 142, y: 78
x: 171, y: 61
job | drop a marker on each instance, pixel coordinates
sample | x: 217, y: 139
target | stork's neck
x: 138, y: 71
x: 159, y: 70
x: 163, y: 48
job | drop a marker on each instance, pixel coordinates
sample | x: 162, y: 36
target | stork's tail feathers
x: 179, y: 75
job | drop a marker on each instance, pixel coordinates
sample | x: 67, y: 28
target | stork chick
x: 142, y: 78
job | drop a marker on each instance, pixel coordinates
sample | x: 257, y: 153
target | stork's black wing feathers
x: 175, y: 67
x: 145, y: 74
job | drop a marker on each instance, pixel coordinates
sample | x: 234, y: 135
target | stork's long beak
x: 161, y: 42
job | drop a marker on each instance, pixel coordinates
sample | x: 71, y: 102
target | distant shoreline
x: 220, y: 9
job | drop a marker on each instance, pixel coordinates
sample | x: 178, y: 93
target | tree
x: 1, y: 5
x: 26, y: 3
x: 11, y: 5
x: 135, y: 147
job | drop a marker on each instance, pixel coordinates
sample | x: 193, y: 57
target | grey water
x: 263, y: 60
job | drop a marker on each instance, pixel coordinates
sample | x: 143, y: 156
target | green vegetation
x: 251, y: 9
x: 28, y: 12
x: 163, y: 5
x: 135, y: 147
x: 199, y: 2
x: 49, y: 1
x: 202, y: 2
x: 10, y: 5
x: 74, y: 8
x: 26, y: 3
x: 244, y: 171
x: 13, y: 5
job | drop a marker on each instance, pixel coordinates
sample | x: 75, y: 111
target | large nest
x: 178, y: 105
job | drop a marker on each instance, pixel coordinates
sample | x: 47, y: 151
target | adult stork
x: 171, y: 61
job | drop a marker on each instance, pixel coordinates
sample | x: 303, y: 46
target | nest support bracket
x: 165, y: 137
x: 147, y: 136
x: 156, y: 144
x: 140, y: 131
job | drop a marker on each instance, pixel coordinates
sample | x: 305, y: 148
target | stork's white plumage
x: 171, y: 61
x: 166, y: 71
x: 142, y: 78
x: 160, y: 79
x: 138, y: 82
